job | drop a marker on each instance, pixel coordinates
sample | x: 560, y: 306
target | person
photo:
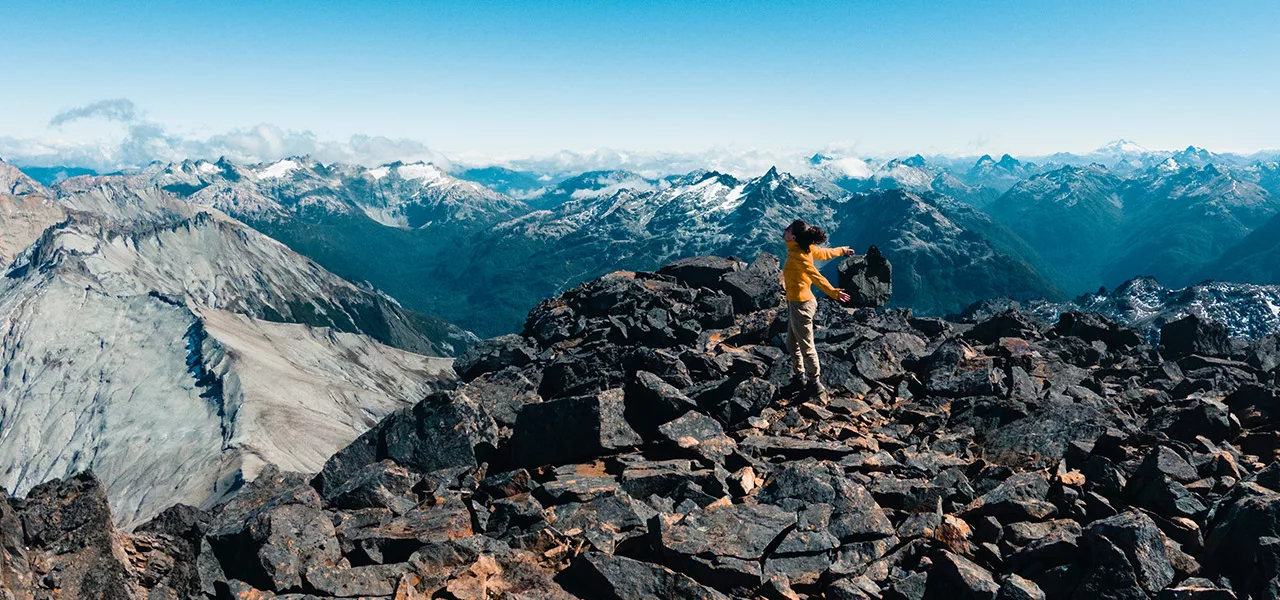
x: 798, y: 274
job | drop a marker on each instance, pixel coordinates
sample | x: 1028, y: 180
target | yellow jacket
x: 799, y: 272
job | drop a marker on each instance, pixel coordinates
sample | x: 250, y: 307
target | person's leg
x: 795, y: 333
x: 808, y: 311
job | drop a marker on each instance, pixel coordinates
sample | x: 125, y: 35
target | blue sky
x: 519, y: 78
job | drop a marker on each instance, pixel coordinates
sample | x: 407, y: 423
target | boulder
x: 757, y: 287
x: 650, y: 402
x: 69, y: 535
x: 501, y: 393
x: 1264, y: 355
x: 1193, y: 335
x: 957, y: 369
x: 572, y: 429
x: 270, y: 535
x: 596, y: 575
x: 957, y: 577
x: 867, y: 278
x: 721, y: 545
x: 698, y: 435
x: 746, y: 398
x: 1128, y: 558
x: 494, y: 354
x: 1015, y: 587
x: 1021, y: 497
x: 1041, y: 438
x: 383, y: 484
x: 1008, y: 324
x: 1092, y: 327
x: 1244, y: 541
x: 445, y: 430
x: 702, y: 271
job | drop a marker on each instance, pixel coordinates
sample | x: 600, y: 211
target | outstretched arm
x: 822, y: 283
x: 820, y: 253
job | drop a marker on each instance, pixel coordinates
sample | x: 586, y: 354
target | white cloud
x: 145, y: 141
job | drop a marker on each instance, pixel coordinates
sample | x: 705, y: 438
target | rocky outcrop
x: 867, y: 278
x: 656, y: 451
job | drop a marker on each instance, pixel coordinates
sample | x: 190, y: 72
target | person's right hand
x: 843, y: 297
x: 849, y: 251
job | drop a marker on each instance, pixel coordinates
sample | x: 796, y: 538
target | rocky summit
x: 638, y: 440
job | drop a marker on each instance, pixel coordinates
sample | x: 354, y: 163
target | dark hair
x: 807, y: 235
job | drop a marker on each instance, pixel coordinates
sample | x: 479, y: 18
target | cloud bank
x: 146, y: 141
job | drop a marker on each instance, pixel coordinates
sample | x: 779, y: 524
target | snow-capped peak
x: 1121, y: 147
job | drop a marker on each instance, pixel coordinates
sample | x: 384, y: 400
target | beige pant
x: 800, y: 336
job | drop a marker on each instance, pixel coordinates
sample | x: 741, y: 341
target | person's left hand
x: 848, y: 251
x: 843, y: 297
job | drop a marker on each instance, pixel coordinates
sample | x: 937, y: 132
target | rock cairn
x: 638, y: 441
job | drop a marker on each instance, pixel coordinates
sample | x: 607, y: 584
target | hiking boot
x: 813, y: 388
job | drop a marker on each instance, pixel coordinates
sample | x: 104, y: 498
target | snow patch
x: 423, y: 171
x: 278, y: 170
x: 378, y: 173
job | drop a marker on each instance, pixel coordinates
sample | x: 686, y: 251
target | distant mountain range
x: 479, y: 245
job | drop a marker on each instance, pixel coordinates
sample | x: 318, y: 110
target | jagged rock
x: 1128, y: 557
x: 1195, y: 417
x: 700, y: 435
x: 650, y: 402
x: 1196, y: 589
x: 956, y: 369
x: 1016, y: 587
x: 855, y: 515
x: 620, y: 578
x: 1041, y: 438
x: 957, y: 577
x: 1021, y: 497
x: 1092, y: 327
x: 702, y: 271
x: 867, y: 278
x: 1245, y: 536
x: 563, y: 431
x: 380, y: 485
x: 745, y: 399
x: 494, y: 354
x: 605, y: 521
x: 721, y: 546
x: 1193, y: 335
x: 756, y: 287
x: 444, y: 430
x: 882, y: 358
x: 271, y: 535
x: 397, y: 539
x: 1265, y: 354
x: 351, y: 582
x: 501, y: 393
x: 69, y: 535
x: 1008, y: 324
